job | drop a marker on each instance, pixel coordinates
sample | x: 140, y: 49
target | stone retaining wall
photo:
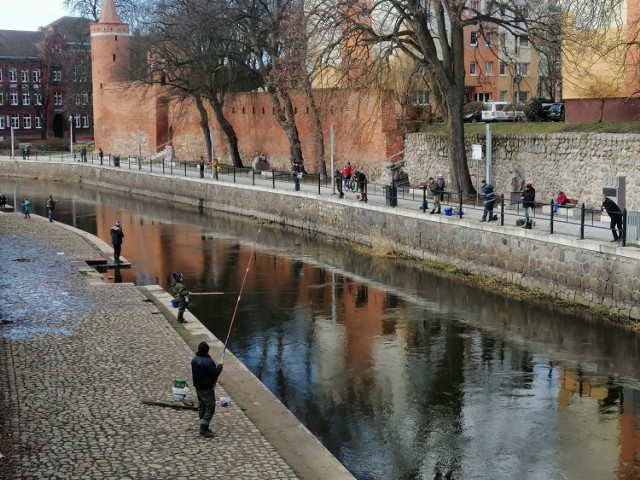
x: 577, y: 163
x: 585, y: 272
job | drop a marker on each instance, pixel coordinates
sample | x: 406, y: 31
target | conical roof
x: 109, y: 13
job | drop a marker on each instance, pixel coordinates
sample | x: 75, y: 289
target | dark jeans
x: 488, y: 211
x: 182, y: 306
x: 116, y: 252
x: 206, y: 404
x: 296, y: 181
x: 616, y: 222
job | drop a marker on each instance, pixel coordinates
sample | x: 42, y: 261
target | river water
x: 400, y: 373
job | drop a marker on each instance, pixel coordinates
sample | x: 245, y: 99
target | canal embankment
x: 590, y: 273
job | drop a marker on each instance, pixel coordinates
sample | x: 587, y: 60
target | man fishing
x: 181, y: 294
x: 205, y: 374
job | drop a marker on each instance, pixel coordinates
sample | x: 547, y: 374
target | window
x: 15, y: 120
x: 523, y: 97
x: 26, y: 98
x: 422, y: 97
x: 37, y: 98
x: 24, y: 76
x: 37, y: 121
x: 36, y: 76
x: 473, y: 69
x: 13, y: 75
x: 522, y: 41
x: 13, y: 96
x: 503, y: 96
x: 503, y: 40
x: 475, y: 5
x: 57, y: 99
x: 503, y: 69
x: 488, y: 69
x: 488, y: 36
x: 0, y: 74
x: 57, y: 75
x: 26, y: 121
x: 1, y: 98
x: 523, y: 69
x: 79, y: 73
x: 482, y: 97
x: 82, y: 98
x: 85, y: 121
x: 474, y: 39
x: 2, y: 125
x: 76, y: 120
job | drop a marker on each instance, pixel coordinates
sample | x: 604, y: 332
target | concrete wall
x: 585, y: 272
x: 577, y: 163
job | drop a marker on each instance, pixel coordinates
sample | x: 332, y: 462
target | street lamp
x: 12, y: 137
x: 71, y: 136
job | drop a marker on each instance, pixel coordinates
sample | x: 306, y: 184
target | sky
x: 29, y: 14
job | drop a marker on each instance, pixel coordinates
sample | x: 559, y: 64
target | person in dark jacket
x: 488, y: 200
x: 528, y: 203
x: 51, y: 205
x: 205, y: 374
x: 338, y: 179
x: 181, y: 294
x: 362, y: 185
x: 116, y: 240
x: 615, y: 214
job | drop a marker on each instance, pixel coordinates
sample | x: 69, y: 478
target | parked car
x: 499, y: 112
x: 473, y: 117
x: 556, y: 112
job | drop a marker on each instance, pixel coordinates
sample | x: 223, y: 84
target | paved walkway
x: 566, y: 222
x: 76, y: 357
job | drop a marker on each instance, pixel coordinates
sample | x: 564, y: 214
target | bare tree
x: 135, y: 13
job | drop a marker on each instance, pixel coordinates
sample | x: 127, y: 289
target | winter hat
x: 177, y: 276
x: 529, y: 185
x: 118, y: 223
x: 203, y: 348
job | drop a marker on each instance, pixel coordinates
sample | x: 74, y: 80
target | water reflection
x: 400, y: 373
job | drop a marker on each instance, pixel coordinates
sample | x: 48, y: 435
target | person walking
x: 615, y: 215
x: 205, y: 373
x: 101, y: 155
x: 181, y: 294
x: 432, y: 185
x: 488, y: 200
x: 296, y: 173
x: 51, y: 204
x: 26, y: 208
x: 215, y: 168
x: 337, y: 176
x: 528, y: 203
x: 117, y: 234
x: 201, y: 166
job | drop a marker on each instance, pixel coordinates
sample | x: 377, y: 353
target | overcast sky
x: 29, y: 14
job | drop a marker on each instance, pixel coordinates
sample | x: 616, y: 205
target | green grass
x: 544, y: 127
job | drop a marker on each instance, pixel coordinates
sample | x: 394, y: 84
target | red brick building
x: 45, y: 82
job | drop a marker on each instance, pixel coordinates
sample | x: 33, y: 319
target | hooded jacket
x: 204, y: 370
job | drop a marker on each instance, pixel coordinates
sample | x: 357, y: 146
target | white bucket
x: 179, y: 394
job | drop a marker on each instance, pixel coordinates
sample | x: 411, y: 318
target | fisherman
x: 51, y: 204
x: 116, y: 240
x: 181, y: 294
x: 205, y: 375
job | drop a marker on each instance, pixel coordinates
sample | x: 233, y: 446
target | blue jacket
x: 488, y: 195
x: 205, y: 372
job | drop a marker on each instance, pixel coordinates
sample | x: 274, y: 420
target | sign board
x: 476, y: 152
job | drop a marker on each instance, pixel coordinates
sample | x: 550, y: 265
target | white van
x: 495, y: 112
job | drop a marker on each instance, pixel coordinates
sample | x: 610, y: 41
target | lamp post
x: 71, y: 136
x: 12, y: 137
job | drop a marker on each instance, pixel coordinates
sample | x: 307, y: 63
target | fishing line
x: 235, y: 310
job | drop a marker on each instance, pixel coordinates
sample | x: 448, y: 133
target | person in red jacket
x: 347, y: 171
x: 561, y: 199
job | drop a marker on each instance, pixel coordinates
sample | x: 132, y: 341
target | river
x: 400, y: 372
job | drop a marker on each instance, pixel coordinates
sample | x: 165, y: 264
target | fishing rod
x: 235, y: 310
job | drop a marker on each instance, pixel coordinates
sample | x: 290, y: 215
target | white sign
x: 476, y: 152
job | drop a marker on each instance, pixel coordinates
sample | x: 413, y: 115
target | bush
x: 534, y: 110
x: 472, y: 107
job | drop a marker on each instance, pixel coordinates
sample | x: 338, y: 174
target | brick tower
x: 110, y: 62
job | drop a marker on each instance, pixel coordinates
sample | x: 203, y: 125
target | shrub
x: 534, y: 110
x: 472, y: 107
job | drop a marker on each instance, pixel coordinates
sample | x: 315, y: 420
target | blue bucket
x: 448, y: 211
x: 174, y: 303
